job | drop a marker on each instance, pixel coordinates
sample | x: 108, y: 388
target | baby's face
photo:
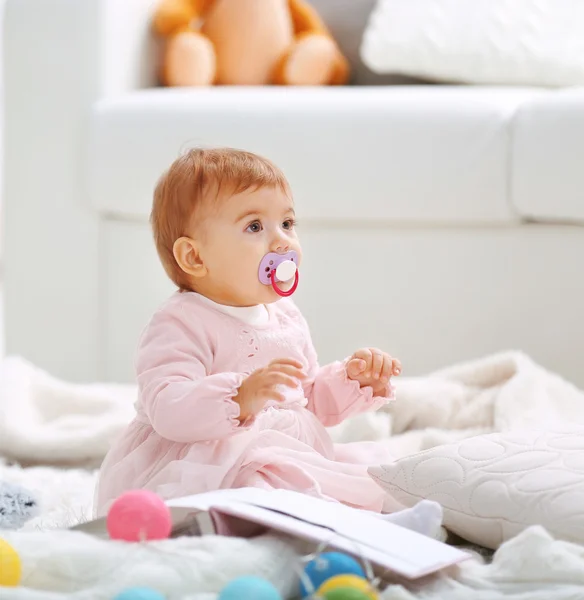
x: 245, y: 228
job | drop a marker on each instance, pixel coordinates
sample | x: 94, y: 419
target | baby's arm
x: 332, y: 395
x: 182, y: 401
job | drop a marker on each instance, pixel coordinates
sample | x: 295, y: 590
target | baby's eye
x: 288, y: 224
x: 254, y: 227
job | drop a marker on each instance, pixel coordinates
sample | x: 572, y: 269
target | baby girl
x: 230, y: 390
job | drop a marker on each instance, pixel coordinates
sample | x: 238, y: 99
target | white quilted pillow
x: 512, y: 42
x: 492, y: 487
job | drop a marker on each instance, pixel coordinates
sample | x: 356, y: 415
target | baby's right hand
x: 261, y: 386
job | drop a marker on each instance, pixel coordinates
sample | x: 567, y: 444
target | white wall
x: 1, y: 171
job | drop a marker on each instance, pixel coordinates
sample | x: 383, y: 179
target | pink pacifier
x: 276, y: 267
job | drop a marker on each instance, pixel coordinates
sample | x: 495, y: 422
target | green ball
x: 346, y: 593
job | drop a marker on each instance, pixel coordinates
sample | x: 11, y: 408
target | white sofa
x: 441, y: 223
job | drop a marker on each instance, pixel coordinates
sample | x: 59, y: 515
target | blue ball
x: 139, y: 594
x: 249, y: 588
x: 328, y: 565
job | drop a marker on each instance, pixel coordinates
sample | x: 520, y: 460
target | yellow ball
x: 348, y: 581
x: 10, y: 566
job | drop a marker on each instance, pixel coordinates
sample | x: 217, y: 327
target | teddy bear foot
x: 190, y: 60
x: 312, y: 60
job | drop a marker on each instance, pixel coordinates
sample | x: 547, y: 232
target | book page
x: 408, y: 552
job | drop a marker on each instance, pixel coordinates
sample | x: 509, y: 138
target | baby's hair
x: 195, y: 180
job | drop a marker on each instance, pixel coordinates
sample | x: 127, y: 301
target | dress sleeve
x: 182, y: 401
x: 332, y: 396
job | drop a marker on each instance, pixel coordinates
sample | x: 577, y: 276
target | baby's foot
x: 425, y: 518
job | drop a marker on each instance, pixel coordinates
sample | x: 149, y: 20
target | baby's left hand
x: 370, y: 366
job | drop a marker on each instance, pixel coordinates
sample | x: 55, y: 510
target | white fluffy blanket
x: 46, y: 420
x: 502, y: 392
x: 43, y: 419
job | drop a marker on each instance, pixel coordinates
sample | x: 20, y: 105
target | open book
x: 248, y: 512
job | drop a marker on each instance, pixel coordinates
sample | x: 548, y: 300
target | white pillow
x: 494, y: 486
x: 512, y: 42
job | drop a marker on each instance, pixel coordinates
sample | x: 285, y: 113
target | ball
x: 327, y: 565
x: 138, y: 593
x: 347, y: 587
x: 10, y: 565
x: 345, y: 593
x: 249, y: 588
x: 139, y: 515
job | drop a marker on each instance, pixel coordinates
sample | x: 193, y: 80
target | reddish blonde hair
x: 192, y: 182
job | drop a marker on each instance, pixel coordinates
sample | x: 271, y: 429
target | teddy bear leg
x: 189, y: 60
x: 312, y: 60
x: 341, y: 71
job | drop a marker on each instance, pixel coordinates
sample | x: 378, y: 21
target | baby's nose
x: 280, y: 246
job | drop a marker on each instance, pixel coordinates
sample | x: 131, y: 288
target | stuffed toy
x: 246, y: 42
x: 17, y: 506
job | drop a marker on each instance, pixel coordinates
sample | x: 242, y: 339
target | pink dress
x: 186, y: 438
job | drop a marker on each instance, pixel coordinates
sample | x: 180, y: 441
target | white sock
x: 425, y: 518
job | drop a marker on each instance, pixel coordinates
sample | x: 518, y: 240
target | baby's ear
x: 188, y: 257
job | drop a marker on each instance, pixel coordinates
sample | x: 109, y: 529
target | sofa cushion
x: 493, y: 42
x: 424, y: 154
x: 547, y: 183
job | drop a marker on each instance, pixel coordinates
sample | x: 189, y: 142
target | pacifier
x: 276, y: 267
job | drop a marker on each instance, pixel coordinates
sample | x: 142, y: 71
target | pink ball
x: 139, y: 515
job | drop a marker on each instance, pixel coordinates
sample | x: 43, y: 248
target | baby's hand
x: 370, y: 366
x: 261, y: 386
